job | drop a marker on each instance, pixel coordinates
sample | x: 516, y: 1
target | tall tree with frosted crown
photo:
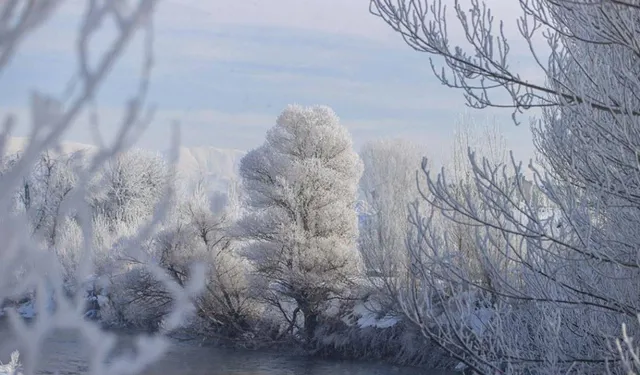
x: 301, y: 187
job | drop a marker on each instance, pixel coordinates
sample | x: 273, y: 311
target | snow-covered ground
x: 369, y: 317
x: 364, y: 314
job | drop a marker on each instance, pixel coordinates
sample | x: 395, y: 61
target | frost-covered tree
x: 301, y: 188
x: 201, y: 232
x: 44, y: 191
x: 132, y: 184
x: 486, y: 141
x: 388, y: 186
x: 572, y: 276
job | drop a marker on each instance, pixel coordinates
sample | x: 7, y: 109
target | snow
x: 385, y: 322
x: 27, y: 310
x: 370, y: 317
x: 102, y: 300
x: 333, y: 308
x: 460, y: 366
x: 479, y: 320
x: 13, y: 367
x: 472, y: 318
x: 17, y: 144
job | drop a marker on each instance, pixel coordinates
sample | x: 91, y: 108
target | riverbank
x: 358, y: 333
x: 399, y: 344
x: 64, y: 351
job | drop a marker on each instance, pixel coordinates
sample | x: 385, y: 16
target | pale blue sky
x: 225, y: 69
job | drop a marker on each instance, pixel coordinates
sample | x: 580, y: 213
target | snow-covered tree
x: 202, y: 232
x: 388, y: 185
x: 132, y: 184
x: 301, y: 188
x: 573, y: 272
x: 44, y: 191
x: 486, y: 141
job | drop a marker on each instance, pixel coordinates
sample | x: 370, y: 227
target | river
x: 65, y: 354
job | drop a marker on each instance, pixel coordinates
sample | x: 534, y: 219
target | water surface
x: 65, y: 353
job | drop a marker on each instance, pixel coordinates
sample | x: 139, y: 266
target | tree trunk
x: 310, y: 324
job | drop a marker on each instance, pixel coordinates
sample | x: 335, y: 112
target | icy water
x: 66, y: 355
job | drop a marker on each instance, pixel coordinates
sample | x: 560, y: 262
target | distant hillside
x: 16, y: 144
x: 214, y: 166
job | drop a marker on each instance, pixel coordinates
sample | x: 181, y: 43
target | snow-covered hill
x: 215, y: 167
x: 17, y: 144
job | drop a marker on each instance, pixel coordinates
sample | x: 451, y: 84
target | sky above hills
x: 225, y: 69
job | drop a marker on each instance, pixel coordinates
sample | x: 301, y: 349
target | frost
x: 14, y: 367
x: 373, y: 321
x: 479, y: 320
x: 301, y: 225
x: 370, y: 314
x: 388, y: 185
x: 516, y: 275
x: 460, y: 366
x: 48, y: 229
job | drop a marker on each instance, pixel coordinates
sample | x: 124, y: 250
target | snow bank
x: 369, y: 314
x: 94, y: 289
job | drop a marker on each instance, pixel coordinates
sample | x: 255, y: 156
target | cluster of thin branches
x: 25, y: 264
x: 559, y: 260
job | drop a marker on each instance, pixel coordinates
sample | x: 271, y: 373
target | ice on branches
x: 27, y: 264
